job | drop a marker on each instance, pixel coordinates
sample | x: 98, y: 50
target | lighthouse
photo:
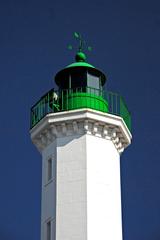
x: 81, y: 130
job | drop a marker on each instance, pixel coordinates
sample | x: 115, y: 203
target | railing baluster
x: 67, y: 99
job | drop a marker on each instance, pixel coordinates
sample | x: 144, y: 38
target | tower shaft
x: 81, y: 194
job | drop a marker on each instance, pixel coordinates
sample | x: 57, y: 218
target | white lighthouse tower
x: 80, y: 131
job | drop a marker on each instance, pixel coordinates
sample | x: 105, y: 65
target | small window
x: 49, y: 169
x: 48, y: 237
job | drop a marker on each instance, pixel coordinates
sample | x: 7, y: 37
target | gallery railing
x: 85, y: 97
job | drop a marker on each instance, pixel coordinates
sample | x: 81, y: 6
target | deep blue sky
x: 125, y: 36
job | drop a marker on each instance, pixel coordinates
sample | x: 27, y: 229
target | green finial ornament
x: 80, y: 56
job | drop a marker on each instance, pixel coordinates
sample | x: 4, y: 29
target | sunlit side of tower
x: 81, y: 130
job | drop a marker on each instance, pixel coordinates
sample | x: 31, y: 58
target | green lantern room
x: 80, y: 85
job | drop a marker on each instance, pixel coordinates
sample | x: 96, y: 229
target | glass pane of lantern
x: 93, y: 84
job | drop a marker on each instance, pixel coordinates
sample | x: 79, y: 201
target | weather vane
x: 82, y: 43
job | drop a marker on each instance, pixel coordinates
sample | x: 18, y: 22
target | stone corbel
x: 115, y: 140
x: 86, y: 126
x: 119, y: 145
x: 113, y: 134
x: 75, y: 126
x: 54, y: 130
x: 64, y: 128
x: 95, y: 128
x: 48, y: 135
x: 105, y: 132
x: 43, y: 139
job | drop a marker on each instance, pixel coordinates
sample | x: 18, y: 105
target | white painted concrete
x: 48, y: 202
x: 71, y: 215
x: 103, y: 190
x: 83, y: 199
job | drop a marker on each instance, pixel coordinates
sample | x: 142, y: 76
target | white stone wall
x: 83, y: 199
x: 48, y: 202
x: 103, y: 190
x: 71, y: 216
x: 88, y: 189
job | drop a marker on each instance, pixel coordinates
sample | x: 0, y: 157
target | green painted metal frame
x: 69, y: 99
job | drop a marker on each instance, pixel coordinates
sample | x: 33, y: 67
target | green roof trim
x: 80, y: 64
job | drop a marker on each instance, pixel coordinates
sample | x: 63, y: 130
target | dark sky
x: 125, y: 36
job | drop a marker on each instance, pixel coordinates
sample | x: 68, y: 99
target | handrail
x: 62, y: 100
